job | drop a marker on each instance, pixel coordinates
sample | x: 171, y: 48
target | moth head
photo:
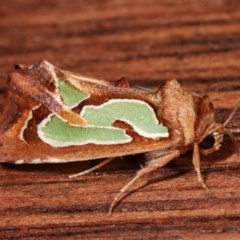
x: 212, y: 139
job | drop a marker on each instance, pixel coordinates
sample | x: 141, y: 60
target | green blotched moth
x: 55, y: 116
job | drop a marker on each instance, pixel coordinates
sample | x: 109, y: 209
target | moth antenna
x: 229, y: 133
x: 232, y: 114
x: 233, y: 130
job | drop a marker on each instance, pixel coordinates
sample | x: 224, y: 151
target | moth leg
x: 155, y: 164
x: 196, y: 164
x: 102, y: 163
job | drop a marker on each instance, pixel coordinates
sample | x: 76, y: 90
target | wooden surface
x: 197, y: 42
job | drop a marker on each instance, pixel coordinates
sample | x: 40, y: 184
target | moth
x: 56, y: 116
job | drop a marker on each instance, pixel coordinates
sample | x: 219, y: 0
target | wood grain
x: 197, y: 42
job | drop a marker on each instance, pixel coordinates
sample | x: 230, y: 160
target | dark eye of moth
x: 207, y: 142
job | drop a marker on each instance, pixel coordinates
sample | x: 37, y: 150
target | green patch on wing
x: 134, y: 112
x: 58, y: 133
x: 70, y: 95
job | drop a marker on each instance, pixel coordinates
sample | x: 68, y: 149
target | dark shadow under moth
x: 55, y: 116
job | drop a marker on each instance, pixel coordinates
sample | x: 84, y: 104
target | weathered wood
x: 197, y: 42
